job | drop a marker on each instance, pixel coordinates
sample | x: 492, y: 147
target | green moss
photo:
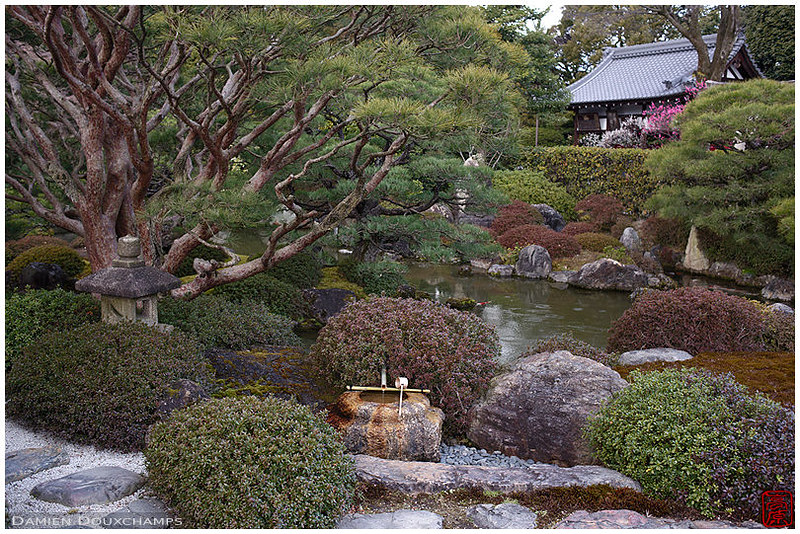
x: 332, y: 278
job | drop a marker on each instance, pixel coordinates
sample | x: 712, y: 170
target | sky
x: 552, y: 18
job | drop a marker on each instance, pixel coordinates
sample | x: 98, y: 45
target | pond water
x: 524, y: 311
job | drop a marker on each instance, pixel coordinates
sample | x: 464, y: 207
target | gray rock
x: 482, y: 265
x: 562, y: 277
x: 630, y: 240
x: 538, y: 409
x: 38, y: 275
x: 26, y: 462
x: 606, y: 273
x: 534, y: 262
x: 506, y: 515
x: 427, y: 477
x: 181, y: 393
x: 551, y: 216
x: 442, y: 210
x: 326, y: 303
x: 98, y: 485
x: 695, y: 259
x: 780, y: 308
x: 779, y: 289
x: 627, y: 519
x: 484, y: 221
x: 501, y: 270
x: 141, y: 513
x: 405, y: 519
x: 661, y: 281
x: 728, y: 271
x: 639, y: 357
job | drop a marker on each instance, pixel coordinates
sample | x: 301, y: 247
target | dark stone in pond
x: 326, y: 303
x: 277, y: 371
x: 779, y: 289
x: 405, y: 291
x: 465, y: 270
x: 606, y: 273
x: 182, y: 393
x: 38, y: 275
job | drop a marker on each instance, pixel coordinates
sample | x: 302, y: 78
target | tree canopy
x: 770, y: 38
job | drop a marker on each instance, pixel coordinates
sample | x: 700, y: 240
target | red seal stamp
x: 777, y: 509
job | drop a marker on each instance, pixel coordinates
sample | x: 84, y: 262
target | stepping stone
x: 506, y: 515
x: 26, y: 462
x: 639, y: 357
x: 400, y: 519
x: 141, y: 513
x: 98, y: 485
x: 627, y: 519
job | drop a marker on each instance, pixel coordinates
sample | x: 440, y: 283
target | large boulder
x: 538, y: 410
x: 501, y: 270
x: 630, y: 240
x: 695, y: 259
x: 534, y: 262
x: 38, y: 275
x: 640, y: 357
x: 551, y: 216
x: 325, y: 303
x: 606, y: 273
x: 779, y: 289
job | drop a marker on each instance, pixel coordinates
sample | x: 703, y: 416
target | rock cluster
x: 463, y: 455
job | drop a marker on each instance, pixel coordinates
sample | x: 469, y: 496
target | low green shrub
x: 17, y: 247
x: 100, y: 383
x: 375, y: 277
x: 69, y: 260
x: 698, y: 438
x: 251, y: 463
x: 32, y: 314
x: 185, y: 268
x: 279, y: 297
x: 515, y: 214
x: 533, y: 187
x: 693, y: 319
x: 752, y: 252
x: 556, y: 243
x: 301, y: 270
x: 619, y: 172
x: 452, y: 353
x: 216, y: 322
x: 574, y: 346
x: 618, y: 253
x: 595, y: 241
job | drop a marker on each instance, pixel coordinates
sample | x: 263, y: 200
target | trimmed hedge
x: 69, y: 260
x: 279, y: 297
x: 101, y: 383
x: 583, y: 171
x: 251, y: 463
x: 556, y: 243
x: 534, y: 188
x: 301, y: 270
x: 17, y: 247
x: 375, y: 277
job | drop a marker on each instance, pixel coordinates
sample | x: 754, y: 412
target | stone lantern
x: 128, y: 289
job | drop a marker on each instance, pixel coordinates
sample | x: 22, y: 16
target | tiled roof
x: 639, y: 71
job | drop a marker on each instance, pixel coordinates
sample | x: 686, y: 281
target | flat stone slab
x: 98, y: 485
x: 639, y: 357
x: 400, y: 519
x: 627, y: 519
x: 141, y: 513
x: 26, y: 462
x: 427, y: 477
x: 506, y: 515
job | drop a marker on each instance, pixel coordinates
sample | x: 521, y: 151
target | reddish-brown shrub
x: 666, y: 232
x: 603, y: 210
x: 577, y: 228
x: 516, y: 214
x: 596, y: 242
x: 556, y: 243
x: 17, y: 247
x: 693, y: 319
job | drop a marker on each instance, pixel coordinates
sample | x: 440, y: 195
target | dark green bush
x: 216, y: 322
x: 533, y: 187
x: 375, y: 277
x: 698, y: 438
x: 693, y: 319
x: 556, y: 243
x: 65, y: 257
x: 101, y: 383
x: 279, y: 297
x: 596, y: 242
x: 574, y: 346
x: 452, y: 353
x: 17, y: 247
x: 34, y: 313
x: 584, y: 171
x: 185, y: 268
x: 301, y: 270
x: 250, y: 463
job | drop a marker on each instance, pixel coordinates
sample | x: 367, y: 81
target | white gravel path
x: 20, y: 503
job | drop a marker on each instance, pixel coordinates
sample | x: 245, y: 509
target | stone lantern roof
x: 128, y: 276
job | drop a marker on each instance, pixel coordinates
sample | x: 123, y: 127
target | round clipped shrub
x: 101, y: 383
x: 556, y: 243
x: 375, y: 277
x: 32, y: 314
x: 603, y: 210
x: 301, y: 270
x: 216, y: 322
x: 69, y: 260
x: 450, y: 352
x: 577, y: 228
x: 250, y: 463
x: 515, y: 214
x: 693, y: 319
x: 574, y: 346
x: 595, y: 241
x: 186, y: 267
x: 17, y: 247
x: 699, y: 438
x: 533, y: 187
x: 279, y: 297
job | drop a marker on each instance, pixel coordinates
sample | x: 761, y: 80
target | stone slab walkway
x: 626, y: 519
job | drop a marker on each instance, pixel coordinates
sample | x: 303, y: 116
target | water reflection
x: 524, y: 311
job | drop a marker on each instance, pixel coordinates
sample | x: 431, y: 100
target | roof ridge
x: 659, y: 47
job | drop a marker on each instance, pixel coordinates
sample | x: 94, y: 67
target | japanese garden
x: 347, y: 266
